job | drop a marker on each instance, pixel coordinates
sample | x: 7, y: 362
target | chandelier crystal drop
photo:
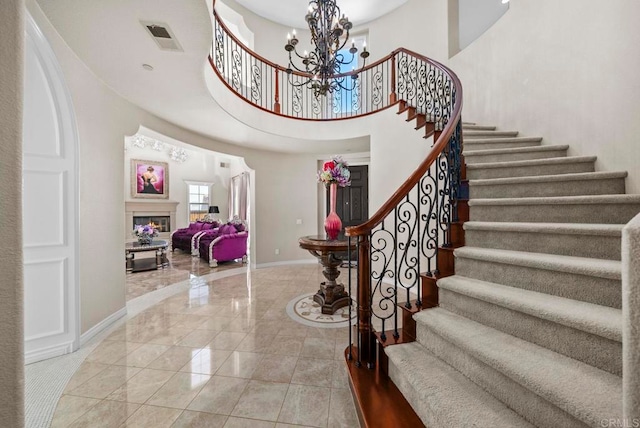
x: 321, y: 67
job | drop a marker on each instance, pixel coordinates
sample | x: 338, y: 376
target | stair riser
x: 557, y: 213
x: 468, y: 127
x: 470, y: 145
x: 594, y: 246
x: 529, y: 171
x: 608, y: 186
x: 582, y: 346
x: 589, y: 289
x: 474, y: 159
x: 488, y: 134
x: 410, y: 394
x: 527, y: 404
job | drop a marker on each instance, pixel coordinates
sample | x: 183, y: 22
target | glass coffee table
x: 160, y: 260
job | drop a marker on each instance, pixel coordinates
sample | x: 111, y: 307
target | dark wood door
x: 352, y: 203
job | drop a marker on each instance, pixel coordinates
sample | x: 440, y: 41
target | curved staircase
x: 528, y: 331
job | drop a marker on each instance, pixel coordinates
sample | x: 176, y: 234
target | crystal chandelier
x: 329, y: 35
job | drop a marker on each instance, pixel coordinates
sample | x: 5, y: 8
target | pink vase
x: 332, y: 224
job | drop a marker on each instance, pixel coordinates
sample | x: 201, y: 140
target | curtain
x: 238, y: 196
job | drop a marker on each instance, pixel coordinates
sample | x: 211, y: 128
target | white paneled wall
x: 50, y: 218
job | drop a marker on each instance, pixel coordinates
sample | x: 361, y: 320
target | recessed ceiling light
x: 505, y: 1
x: 147, y: 67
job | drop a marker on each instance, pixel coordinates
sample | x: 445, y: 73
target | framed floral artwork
x: 149, y: 179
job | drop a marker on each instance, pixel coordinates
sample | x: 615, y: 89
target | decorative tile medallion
x: 304, y: 310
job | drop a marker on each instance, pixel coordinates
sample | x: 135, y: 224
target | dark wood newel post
x: 366, y: 350
x: 276, y: 105
x: 393, y: 97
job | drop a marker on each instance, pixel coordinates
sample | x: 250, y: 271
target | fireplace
x: 161, y: 222
x: 162, y: 214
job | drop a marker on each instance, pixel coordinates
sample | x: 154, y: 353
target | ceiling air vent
x: 224, y: 165
x: 162, y: 35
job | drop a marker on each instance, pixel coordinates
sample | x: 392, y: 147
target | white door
x: 50, y: 205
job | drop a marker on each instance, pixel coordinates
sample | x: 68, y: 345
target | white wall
x: 476, y: 17
x: 566, y: 71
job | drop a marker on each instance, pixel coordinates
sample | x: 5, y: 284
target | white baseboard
x: 102, y: 325
x: 49, y: 352
x: 290, y: 262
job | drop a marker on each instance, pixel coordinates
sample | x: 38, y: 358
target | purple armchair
x: 185, y: 239
x: 226, y: 243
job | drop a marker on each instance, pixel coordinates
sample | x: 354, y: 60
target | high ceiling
x: 109, y: 38
x: 291, y: 12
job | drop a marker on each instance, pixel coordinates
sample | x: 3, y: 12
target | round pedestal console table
x: 331, y: 295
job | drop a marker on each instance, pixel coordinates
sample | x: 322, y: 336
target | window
x: 198, y: 201
x: 344, y: 99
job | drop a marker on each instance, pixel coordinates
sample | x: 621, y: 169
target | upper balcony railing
x: 401, y: 75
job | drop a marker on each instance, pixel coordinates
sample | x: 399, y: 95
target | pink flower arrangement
x: 335, y: 171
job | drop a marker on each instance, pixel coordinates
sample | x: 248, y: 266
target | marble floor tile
x: 142, y: 356
x: 215, y: 323
x: 108, y: 352
x: 141, y: 387
x: 86, y: 371
x: 240, y: 364
x: 227, y: 340
x: 207, y: 361
x: 313, y: 372
x: 152, y: 416
x: 179, y: 390
x: 315, y: 347
x: 275, y: 368
x: 197, y: 338
x: 220, y: 395
x: 241, y: 325
x: 342, y: 413
x: 71, y: 408
x: 261, y: 400
x: 286, y: 345
x: 306, y: 405
x: 224, y: 349
x: 234, y: 422
x: 256, y: 342
x: 340, y: 375
x: 174, y: 358
x: 190, y: 419
x: 105, y: 382
x: 106, y: 414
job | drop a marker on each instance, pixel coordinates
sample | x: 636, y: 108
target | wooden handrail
x: 436, y: 150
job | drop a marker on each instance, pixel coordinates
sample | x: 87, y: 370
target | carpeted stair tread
x: 557, y: 228
x: 600, y: 320
x: 560, y: 200
x: 609, y: 269
x: 516, y: 150
x: 584, y: 176
x: 483, y: 134
x: 442, y: 396
x: 532, y: 162
x: 589, y: 394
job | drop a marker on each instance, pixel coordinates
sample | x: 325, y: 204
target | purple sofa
x: 226, y: 243
x: 185, y: 238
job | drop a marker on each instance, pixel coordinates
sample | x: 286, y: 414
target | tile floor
x: 222, y: 354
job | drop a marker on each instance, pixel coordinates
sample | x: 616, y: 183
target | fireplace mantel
x: 148, y: 208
